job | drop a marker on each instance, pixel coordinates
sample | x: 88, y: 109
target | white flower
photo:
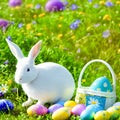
x: 93, y: 101
x: 3, y: 88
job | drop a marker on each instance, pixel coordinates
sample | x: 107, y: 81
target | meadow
x: 83, y: 31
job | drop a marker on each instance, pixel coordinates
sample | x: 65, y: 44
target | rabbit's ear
x: 35, y: 50
x: 16, y: 51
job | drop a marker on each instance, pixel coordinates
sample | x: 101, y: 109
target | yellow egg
x: 70, y: 104
x: 61, y: 114
x: 114, y: 112
x: 102, y: 115
x: 31, y: 110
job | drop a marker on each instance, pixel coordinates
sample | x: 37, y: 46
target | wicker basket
x: 106, y: 99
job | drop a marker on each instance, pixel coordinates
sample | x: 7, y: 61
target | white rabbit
x: 45, y: 82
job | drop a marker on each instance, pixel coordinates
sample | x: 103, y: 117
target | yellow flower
x: 61, y: 18
x: 17, y: 7
x: 118, y: 2
x: 59, y: 25
x: 107, y: 17
x: 29, y: 5
x: 102, y: 2
x: 34, y: 16
x: 39, y: 34
x: 83, y: 80
x: 60, y: 35
x: 81, y: 13
x: 73, y: 37
x: 42, y: 14
x: 119, y: 51
x: 9, y: 82
x: 119, y: 24
x: 28, y: 26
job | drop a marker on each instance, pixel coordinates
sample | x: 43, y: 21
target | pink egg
x: 78, y: 109
x: 54, y: 107
x: 54, y: 5
x: 37, y: 109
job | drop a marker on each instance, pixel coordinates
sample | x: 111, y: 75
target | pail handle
x: 107, y: 65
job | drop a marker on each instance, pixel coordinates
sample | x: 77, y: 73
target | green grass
x: 71, y: 48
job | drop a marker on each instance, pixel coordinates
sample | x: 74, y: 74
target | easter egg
x: 61, y: 103
x: 70, y: 104
x: 101, y: 84
x: 54, y: 5
x: 102, y: 115
x: 116, y: 104
x: 37, y: 109
x: 54, y: 107
x: 6, y: 105
x: 61, y: 114
x: 114, y: 112
x: 78, y: 109
x: 14, y: 3
x: 89, y: 112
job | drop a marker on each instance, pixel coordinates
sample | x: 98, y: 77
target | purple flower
x: 96, y: 25
x: 96, y: 6
x: 106, y: 34
x: 109, y: 4
x: 6, y: 62
x: 38, y: 6
x: 75, y: 24
x: 34, y: 22
x: 1, y: 94
x: 74, y: 7
x: 4, y: 24
x: 14, y: 3
x: 89, y: 0
x: 20, y: 25
x: 9, y: 38
x: 65, y: 3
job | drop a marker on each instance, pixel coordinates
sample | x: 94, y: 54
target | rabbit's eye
x: 28, y: 69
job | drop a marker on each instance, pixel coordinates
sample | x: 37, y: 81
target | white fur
x: 45, y: 82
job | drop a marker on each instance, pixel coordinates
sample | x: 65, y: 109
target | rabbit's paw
x: 27, y: 103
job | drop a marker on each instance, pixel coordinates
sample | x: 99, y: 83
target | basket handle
x: 107, y: 65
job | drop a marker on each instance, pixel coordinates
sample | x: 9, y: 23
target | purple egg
x: 6, y: 105
x: 116, y: 104
x: 54, y: 5
x: 54, y: 107
x: 14, y: 3
x: 78, y: 109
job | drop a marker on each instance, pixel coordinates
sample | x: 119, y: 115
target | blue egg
x: 89, y: 112
x: 102, y: 84
x: 6, y: 105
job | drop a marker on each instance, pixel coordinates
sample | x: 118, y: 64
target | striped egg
x: 114, y: 112
x: 6, y: 105
x: 102, y: 115
x: 37, y: 109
